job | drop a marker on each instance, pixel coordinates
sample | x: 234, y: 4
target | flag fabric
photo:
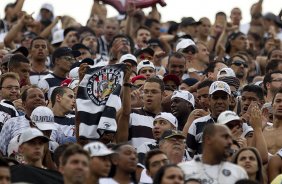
x: 98, y: 100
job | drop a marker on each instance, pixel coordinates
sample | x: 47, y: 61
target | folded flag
x: 98, y: 100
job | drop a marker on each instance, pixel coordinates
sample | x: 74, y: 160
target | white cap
x: 219, y: 86
x: 226, y: 117
x: 74, y: 73
x: 58, y: 36
x: 169, y: 117
x: 43, y: 118
x: 226, y: 72
x: 246, y: 129
x: 143, y: 64
x: 48, y: 6
x: 186, y: 95
x: 31, y: 133
x: 73, y: 84
x: 127, y: 57
x: 184, y: 43
x: 97, y: 149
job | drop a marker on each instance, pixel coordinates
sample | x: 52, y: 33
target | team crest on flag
x: 102, y: 83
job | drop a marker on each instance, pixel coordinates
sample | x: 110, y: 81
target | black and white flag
x: 98, y: 100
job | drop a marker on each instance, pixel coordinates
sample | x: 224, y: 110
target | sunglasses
x: 239, y: 63
x: 189, y: 49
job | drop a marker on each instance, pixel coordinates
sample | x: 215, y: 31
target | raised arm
x: 48, y: 30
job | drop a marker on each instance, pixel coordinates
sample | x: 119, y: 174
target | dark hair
x: 211, y: 66
x: 112, y: 173
x: 279, y: 91
x: 272, y: 65
x: 193, y: 180
x: 126, y: 37
x: 159, y: 175
x: 72, y: 150
x: 37, y: 38
x: 236, y: 143
x: 176, y: 55
x: 267, y: 78
x: 231, y: 59
x: 58, y: 153
x: 246, y: 181
x: 4, y: 163
x: 141, y: 27
x: 16, y: 59
x: 149, y: 155
x: 270, y: 53
x: 157, y: 80
x: 255, y: 89
x: 60, y: 90
x: 150, y: 22
x: 220, y: 14
x: 259, y: 175
x: 25, y: 92
x: 209, y: 130
x: 205, y: 83
x: 69, y: 29
x: 11, y: 75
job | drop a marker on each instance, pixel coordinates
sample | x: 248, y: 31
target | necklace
x: 210, y: 179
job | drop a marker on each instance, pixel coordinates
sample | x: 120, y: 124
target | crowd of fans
x: 201, y: 102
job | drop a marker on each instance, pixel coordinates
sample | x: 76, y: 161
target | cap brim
x: 44, y: 138
x: 45, y: 126
x: 219, y: 90
x: 22, y: 50
x: 75, y: 53
x: 175, y: 135
x: 105, y: 153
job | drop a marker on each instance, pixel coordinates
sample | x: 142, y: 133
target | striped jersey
x: 50, y: 82
x: 195, y: 133
x: 35, y: 77
x: 140, y: 127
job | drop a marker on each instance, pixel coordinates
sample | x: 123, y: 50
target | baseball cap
x: 78, y: 46
x: 43, y: 118
x: 48, y: 7
x: 155, y: 42
x: 189, y: 81
x: 225, y: 72
x: 186, y: 95
x: 58, y: 36
x: 226, y: 117
x: 128, y: 57
x: 32, y: 133
x: 138, y: 77
x: 172, y: 133
x: 22, y: 50
x: 145, y: 63
x: 144, y: 50
x: 172, y: 77
x: 231, y: 81
x: 273, y: 17
x: 189, y: 21
x: 64, y: 51
x: 97, y: 149
x: 169, y: 117
x: 184, y: 43
x: 219, y: 86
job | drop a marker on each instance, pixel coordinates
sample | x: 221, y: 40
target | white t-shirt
x: 109, y: 181
x: 223, y: 173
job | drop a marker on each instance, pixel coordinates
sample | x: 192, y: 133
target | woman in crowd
x: 249, y: 158
x: 169, y: 174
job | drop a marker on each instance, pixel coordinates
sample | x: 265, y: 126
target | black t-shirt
x: 65, y: 120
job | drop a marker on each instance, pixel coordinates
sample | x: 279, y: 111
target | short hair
x: 60, y: 90
x: 272, y: 65
x: 255, y: 89
x: 209, y: 130
x: 16, y: 59
x: 267, y: 78
x: 159, y: 175
x: 220, y: 14
x: 25, y: 92
x: 131, y: 43
x: 211, y: 66
x: 141, y: 27
x: 279, y: 91
x: 176, y: 55
x: 4, y: 163
x: 157, y: 80
x: 246, y: 181
x: 270, y: 53
x: 37, y: 38
x: 58, y: 153
x: 72, y: 150
x: 149, y: 155
x: 11, y: 75
x: 205, y: 83
x: 150, y: 22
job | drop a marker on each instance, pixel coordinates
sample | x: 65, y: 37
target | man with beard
x: 272, y: 82
x: 239, y: 65
x: 212, y: 167
x: 219, y: 97
x: 182, y: 104
x: 273, y: 134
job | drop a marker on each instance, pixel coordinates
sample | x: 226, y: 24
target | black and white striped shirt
x: 50, y: 82
x: 195, y: 133
x: 35, y: 77
x: 140, y: 127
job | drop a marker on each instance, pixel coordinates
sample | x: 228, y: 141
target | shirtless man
x: 273, y: 134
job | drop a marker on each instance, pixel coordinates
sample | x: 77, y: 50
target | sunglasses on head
x: 239, y: 63
x: 189, y: 49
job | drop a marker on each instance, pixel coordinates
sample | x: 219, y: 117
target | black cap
x: 64, y: 51
x: 89, y: 61
x: 144, y: 50
x: 22, y: 50
x: 189, y: 21
x: 155, y: 42
x: 172, y: 133
x: 190, y: 81
x: 79, y: 46
x: 273, y: 17
x: 231, y: 37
